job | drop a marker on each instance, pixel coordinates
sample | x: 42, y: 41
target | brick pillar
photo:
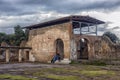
x: 20, y: 55
x: 7, y: 55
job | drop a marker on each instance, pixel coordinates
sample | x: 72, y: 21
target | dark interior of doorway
x: 60, y: 48
x: 27, y: 56
x: 83, y: 46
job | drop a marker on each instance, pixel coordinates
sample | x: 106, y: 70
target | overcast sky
x: 27, y: 12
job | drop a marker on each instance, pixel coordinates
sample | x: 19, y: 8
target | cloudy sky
x: 27, y: 12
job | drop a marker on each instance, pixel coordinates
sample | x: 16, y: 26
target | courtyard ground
x: 38, y: 71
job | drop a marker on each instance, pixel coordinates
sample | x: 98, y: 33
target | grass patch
x: 97, y: 63
x: 59, y: 77
x: 38, y: 73
x: 74, y: 62
x: 56, y: 74
x: 14, y: 77
x: 97, y: 73
x: 70, y: 73
x: 57, y: 70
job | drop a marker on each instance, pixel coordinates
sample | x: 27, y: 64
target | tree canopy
x: 14, y: 39
x: 111, y: 36
x: 19, y: 35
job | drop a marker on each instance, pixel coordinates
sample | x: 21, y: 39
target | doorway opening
x: 83, y: 46
x: 27, y: 56
x: 60, y: 48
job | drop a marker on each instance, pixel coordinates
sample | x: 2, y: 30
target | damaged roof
x: 86, y: 19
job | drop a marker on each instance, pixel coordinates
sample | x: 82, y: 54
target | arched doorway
x: 60, y: 48
x: 83, y: 46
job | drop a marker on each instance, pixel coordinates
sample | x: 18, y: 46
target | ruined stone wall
x: 42, y: 41
x: 99, y: 47
x: 106, y: 49
x: 91, y: 40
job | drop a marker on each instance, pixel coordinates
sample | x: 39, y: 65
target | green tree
x: 11, y: 38
x: 4, y: 38
x: 111, y: 36
x: 19, y: 35
x: 8, y: 38
x: 2, y: 35
x: 26, y: 34
x: 16, y: 38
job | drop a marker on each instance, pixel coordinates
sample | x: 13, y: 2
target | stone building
x: 48, y: 38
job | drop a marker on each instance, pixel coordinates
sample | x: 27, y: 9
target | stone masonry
x: 42, y: 41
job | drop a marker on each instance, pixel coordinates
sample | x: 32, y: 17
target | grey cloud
x: 33, y: 7
x: 117, y: 27
x: 9, y: 7
x: 70, y: 6
x: 8, y: 30
x: 22, y: 7
x: 73, y: 7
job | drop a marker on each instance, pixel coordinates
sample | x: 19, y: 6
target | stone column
x: 20, y: 55
x: 7, y: 55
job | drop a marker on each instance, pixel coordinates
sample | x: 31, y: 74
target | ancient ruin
x: 14, y: 53
x: 59, y: 36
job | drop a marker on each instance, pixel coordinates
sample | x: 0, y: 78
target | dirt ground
x: 38, y: 71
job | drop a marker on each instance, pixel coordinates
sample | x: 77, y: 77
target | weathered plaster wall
x: 42, y: 41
